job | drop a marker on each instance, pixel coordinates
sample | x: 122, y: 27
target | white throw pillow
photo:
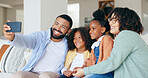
x: 13, y: 60
x: 2, y: 41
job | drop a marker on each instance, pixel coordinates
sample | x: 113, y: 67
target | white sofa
x: 15, y: 58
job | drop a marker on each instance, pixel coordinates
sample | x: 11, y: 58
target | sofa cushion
x: 5, y: 75
x: 2, y: 50
x: 3, y: 41
x: 12, y: 60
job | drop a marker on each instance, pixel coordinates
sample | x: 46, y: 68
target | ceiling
x: 11, y: 2
x: 17, y: 2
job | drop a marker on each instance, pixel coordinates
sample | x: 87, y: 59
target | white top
x: 97, y: 43
x: 77, y: 62
x: 52, y: 58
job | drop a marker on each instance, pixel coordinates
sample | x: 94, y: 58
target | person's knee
x: 18, y: 74
x: 44, y: 75
x: 48, y: 75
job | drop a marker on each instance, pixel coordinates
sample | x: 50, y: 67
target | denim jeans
x: 107, y: 75
x: 63, y: 76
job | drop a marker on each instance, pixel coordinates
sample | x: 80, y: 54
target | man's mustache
x: 57, y: 30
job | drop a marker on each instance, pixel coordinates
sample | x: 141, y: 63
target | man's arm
x: 26, y: 41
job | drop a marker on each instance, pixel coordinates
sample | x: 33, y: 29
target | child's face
x: 96, y: 30
x: 79, y: 43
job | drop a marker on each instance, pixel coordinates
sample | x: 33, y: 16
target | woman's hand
x: 78, y: 72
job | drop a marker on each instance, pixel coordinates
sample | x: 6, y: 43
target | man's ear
x: 69, y: 31
x: 103, y: 29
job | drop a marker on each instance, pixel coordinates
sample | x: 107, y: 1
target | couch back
x: 145, y: 38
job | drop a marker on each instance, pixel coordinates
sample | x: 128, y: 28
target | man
x: 49, y: 49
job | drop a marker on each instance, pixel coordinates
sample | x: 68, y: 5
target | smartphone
x: 15, y: 26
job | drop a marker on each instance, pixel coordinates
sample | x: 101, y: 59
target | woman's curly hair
x: 128, y: 19
x: 84, y: 31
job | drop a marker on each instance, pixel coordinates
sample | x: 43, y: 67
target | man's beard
x: 57, y: 37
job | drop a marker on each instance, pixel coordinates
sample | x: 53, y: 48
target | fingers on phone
x: 6, y: 27
x: 10, y: 33
x: 8, y: 21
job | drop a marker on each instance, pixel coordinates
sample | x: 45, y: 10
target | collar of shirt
x: 97, y: 43
x: 49, y: 33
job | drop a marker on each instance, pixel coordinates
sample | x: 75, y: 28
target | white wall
x: 20, y: 18
x: 39, y: 15
x: 73, y: 11
x: 145, y: 6
x: 32, y: 16
x: 145, y: 23
x: 2, y: 19
x: 145, y: 15
x: 50, y: 9
x: 136, y: 5
x: 16, y: 13
x: 87, y: 7
x: 11, y: 14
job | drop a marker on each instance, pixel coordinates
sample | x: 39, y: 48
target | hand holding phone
x: 15, y: 26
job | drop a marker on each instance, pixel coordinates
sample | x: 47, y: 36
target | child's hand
x: 67, y: 73
x: 85, y: 62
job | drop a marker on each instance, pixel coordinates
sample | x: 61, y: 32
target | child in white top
x: 79, y: 43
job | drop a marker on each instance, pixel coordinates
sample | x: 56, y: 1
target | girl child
x: 79, y: 43
x: 103, y: 46
x: 129, y: 57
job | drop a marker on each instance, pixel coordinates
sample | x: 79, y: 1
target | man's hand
x: 68, y: 73
x: 78, y: 72
x: 9, y: 35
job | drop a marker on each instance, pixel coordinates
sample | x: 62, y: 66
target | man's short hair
x: 68, y: 18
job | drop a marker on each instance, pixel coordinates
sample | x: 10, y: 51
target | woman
x: 128, y: 58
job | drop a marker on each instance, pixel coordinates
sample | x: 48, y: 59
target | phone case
x: 15, y: 26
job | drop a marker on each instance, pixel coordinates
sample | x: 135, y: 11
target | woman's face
x: 114, y: 25
x: 96, y: 30
x: 78, y: 41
